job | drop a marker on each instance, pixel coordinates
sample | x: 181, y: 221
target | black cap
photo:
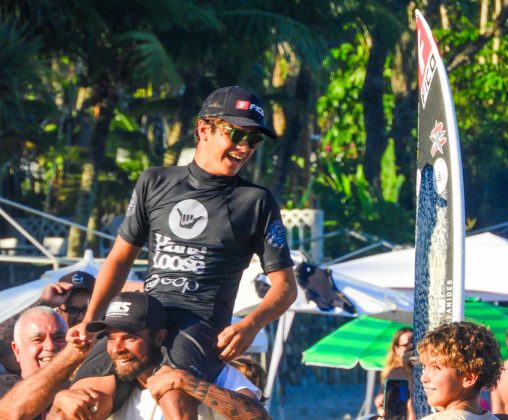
x: 80, y: 280
x: 237, y: 106
x: 131, y: 312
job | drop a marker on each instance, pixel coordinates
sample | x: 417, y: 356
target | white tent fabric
x: 486, y: 265
x: 367, y: 298
x: 21, y: 297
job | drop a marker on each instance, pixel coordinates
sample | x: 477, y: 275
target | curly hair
x: 466, y: 347
x: 213, y: 122
x: 251, y: 370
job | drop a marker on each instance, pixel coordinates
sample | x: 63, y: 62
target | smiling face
x: 443, y: 385
x: 41, y: 337
x: 134, y: 354
x: 217, y: 154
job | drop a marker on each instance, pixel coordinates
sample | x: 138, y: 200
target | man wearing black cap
x: 203, y: 223
x: 135, y: 325
x: 75, y: 296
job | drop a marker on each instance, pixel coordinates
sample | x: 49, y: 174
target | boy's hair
x: 251, y: 369
x: 214, y: 122
x: 466, y: 347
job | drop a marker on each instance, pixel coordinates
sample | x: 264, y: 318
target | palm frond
x: 266, y: 27
x: 149, y: 59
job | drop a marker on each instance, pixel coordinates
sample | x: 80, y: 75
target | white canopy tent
x: 367, y: 298
x: 21, y: 297
x: 486, y: 267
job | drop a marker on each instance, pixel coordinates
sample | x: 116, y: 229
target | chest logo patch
x: 188, y: 219
x: 276, y: 235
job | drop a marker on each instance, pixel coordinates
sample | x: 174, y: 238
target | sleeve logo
x: 276, y: 235
x: 131, y: 208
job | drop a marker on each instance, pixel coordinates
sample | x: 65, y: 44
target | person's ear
x: 201, y: 128
x: 469, y: 379
x: 160, y: 337
x: 15, y: 350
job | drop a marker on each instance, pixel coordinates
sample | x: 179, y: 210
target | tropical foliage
x: 93, y: 92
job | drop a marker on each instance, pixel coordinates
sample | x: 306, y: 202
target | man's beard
x: 132, y: 369
x: 133, y: 366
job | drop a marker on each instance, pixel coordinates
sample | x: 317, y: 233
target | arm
x: 34, y: 394
x: 108, y: 284
x: 104, y: 388
x: 237, y: 338
x: 499, y: 396
x: 240, y: 404
x: 78, y: 404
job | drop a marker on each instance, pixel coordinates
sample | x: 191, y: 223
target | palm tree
x: 114, y: 54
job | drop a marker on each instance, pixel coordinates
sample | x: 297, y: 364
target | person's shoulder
x: 454, y: 414
x: 254, y: 190
x: 7, y: 381
x: 164, y: 171
x: 160, y: 175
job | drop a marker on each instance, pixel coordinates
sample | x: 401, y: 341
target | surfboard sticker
x: 439, y: 256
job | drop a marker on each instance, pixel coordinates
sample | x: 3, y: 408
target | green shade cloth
x: 366, y: 340
x: 492, y: 316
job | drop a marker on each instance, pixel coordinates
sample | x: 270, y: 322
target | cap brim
x: 98, y: 326
x: 80, y: 286
x: 247, y: 122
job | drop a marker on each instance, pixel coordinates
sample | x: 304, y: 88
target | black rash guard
x: 202, y: 231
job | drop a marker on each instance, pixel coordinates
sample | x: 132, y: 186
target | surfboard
x: 440, y: 225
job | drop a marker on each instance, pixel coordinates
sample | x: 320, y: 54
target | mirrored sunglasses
x: 240, y: 137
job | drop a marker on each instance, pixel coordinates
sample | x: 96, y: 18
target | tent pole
x: 281, y: 335
x: 369, y: 394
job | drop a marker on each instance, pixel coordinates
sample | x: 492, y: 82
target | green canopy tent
x: 366, y: 340
x: 363, y: 340
x: 492, y: 316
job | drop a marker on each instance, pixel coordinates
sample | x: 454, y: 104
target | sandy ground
x: 322, y: 401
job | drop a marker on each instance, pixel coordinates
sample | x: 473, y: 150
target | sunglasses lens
x: 239, y: 137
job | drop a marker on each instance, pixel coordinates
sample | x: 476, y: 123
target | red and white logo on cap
x: 242, y: 105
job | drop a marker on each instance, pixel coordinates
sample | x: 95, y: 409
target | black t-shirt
x: 202, y: 231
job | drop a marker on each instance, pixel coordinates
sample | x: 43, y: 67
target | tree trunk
x: 155, y: 130
x: 296, y: 117
x: 88, y: 190
x: 497, y: 34
x: 484, y: 16
x: 405, y: 90
x: 182, y: 124
x: 81, y: 212
x: 373, y: 110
